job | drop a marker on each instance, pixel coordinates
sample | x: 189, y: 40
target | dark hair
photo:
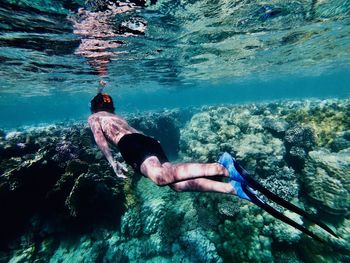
x: 102, y: 102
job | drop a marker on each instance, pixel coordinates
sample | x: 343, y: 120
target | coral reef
x: 274, y: 143
x: 61, y: 202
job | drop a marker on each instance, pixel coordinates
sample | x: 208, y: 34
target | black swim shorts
x: 136, y: 147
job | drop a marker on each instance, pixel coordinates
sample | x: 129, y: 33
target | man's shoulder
x: 97, y: 115
x: 93, y: 117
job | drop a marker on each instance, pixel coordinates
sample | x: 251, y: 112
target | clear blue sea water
x: 61, y: 106
x: 165, y: 54
x: 176, y: 54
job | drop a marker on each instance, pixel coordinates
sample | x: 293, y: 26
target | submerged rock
x: 94, y: 198
x: 296, y: 158
x: 23, y: 188
x: 277, y: 128
x: 341, y: 141
x: 339, y: 144
x: 327, y: 181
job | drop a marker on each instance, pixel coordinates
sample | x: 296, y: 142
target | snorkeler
x: 146, y: 156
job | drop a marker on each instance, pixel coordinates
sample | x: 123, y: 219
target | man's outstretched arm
x: 104, y: 147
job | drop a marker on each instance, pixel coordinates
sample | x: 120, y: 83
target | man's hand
x: 119, y: 169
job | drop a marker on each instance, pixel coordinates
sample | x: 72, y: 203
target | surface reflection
x: 100, y: 33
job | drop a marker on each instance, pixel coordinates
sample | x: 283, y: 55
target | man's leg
x: 167, y: 173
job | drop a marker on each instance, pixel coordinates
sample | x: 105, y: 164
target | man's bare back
x: 109, y: 125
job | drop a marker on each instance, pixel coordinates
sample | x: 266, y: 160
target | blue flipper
x: 236, y: 180
x: 239, y: 190
x: 228, y: 161
x: 269, y: 209
x: 246, y: 187
x: 278, y: 200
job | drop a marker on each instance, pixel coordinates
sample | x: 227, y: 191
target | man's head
x: 102, y: 102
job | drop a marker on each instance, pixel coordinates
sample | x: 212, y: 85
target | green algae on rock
x: 326, y: 119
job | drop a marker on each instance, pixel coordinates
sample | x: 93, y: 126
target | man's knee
x: 159, y: 177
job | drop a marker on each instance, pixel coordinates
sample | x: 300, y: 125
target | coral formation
x: 283, y: 183
x: 298, y: 141
x: 326, y: 118
x: 299, y: 137
x: 327, y: 178
x: 277, y: 127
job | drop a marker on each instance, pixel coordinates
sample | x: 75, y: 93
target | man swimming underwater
x: 147, y: 157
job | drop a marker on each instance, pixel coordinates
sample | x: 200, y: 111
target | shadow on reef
x: 56, y: 181
x: 22, y: 193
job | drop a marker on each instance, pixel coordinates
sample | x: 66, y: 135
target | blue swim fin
x: 246, y: 188
x: 228, y: 161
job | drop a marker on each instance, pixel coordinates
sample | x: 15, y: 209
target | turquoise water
x: 19, y: 111
x: 203, y: 77
x: 189, y: 53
